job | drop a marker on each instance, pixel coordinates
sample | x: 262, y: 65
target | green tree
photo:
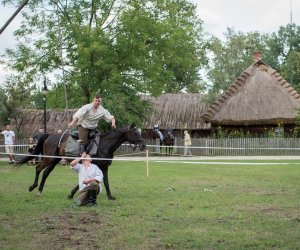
x: 284, y: 49
x: 121, y: 48
x: 161, y: 41
x: 14, y: 98
x: 229, y: 58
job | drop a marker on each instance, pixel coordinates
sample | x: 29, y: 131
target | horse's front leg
x: 46, y: 173
x: 38, y: 170
x: 106, y: 184
x: 74, y: 190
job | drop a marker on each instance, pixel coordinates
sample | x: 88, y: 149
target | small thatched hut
x: 179, y: 112
x: 258, y: 100
x: 32, y: 119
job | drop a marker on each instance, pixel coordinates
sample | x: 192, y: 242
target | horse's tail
x: 37, y: 150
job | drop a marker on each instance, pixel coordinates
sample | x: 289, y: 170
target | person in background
x: 30, y: 149
x: 36, y: 137
x: 87, y: 118
x: 170, y: 132
x: 9, y: 140
x: 187, y: 144
x: 156, y: 128
x: 89, y: 177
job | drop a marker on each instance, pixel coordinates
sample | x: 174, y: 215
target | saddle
x: 73, y: 146
x: 92, y: 134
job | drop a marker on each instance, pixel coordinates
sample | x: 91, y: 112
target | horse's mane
x: 105, y: 134
x: 116, y: 131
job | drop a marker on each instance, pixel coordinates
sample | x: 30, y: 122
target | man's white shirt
x: 8, y: 137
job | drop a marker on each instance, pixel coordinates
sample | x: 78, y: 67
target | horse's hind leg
x: 38, y: 170
x: 74, y: 190
x: 46, y: 173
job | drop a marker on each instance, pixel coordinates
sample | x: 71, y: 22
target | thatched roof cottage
x: 178, y: 111
x: 259, y: 99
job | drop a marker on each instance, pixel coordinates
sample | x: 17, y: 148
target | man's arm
x: 109, y: 118
x: 75, y: 161
x: 113, y: 122
x: 78, y: 115
x: 73, y: 122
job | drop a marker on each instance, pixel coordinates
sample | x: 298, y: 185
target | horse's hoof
x: 111, y: 198
x: 30, y: 188
x: 70, y: 197
x: 39, y: 193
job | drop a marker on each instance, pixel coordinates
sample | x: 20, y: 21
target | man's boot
x: 92, y: 201
x: 81, y: 149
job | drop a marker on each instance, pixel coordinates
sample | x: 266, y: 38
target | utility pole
x: 291, y: 12
x: 13, y: 16
x: 63, y: 68
x: 291, y: 34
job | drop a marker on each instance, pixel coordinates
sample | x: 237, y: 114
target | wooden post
x: 147, y: 163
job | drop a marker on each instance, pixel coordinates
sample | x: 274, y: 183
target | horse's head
x: 134, y: 137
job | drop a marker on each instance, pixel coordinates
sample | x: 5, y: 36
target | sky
x: 264, y: 16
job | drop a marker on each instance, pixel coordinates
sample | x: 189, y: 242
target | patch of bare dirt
x: 73, y: 230
x: 272, y: 210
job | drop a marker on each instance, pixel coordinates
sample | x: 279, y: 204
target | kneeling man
x: 89, y: 176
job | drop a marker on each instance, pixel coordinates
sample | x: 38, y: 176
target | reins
x: 59, y: 142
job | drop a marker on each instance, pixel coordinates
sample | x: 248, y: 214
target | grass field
x: 179, y: 206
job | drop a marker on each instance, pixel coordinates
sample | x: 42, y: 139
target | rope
x: 71, y: 158
x: 191, y: 147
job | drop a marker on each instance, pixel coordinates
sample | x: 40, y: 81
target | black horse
x: 167, y: 141
x: 109, y: 143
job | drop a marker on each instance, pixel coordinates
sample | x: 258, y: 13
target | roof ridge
x: 239, y: 83
x: 232, y: 89
x: 285, y: 85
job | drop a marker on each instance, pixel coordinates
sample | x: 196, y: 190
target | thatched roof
x: 178, y: 111
x: 259, y: 96
x: 33, y: 119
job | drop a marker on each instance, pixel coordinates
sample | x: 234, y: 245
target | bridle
x: 135, y: 143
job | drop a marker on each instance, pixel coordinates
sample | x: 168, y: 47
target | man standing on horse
x: 89, y: 176
x: 87, y: 118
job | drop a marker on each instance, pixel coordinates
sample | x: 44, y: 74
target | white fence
x: 238, y: 146
x: 208, y: 147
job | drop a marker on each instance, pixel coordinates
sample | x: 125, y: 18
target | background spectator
x: 187, y: 144
x: 9, y: 140
x: 30, y: 149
